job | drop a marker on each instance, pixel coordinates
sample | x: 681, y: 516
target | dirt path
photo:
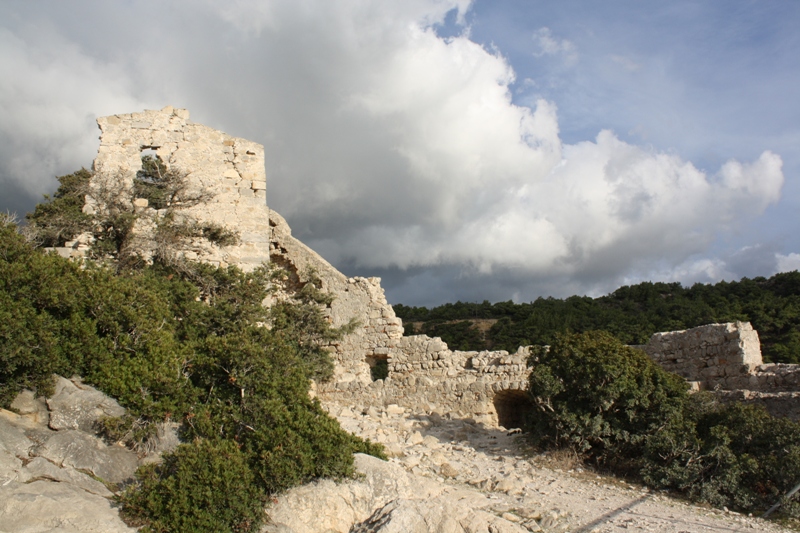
x: 526, y: 489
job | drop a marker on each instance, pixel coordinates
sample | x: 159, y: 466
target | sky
x: 460, y: 150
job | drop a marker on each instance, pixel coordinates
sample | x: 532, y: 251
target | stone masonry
x: 726, y: 358
x: 711, y: 354
x: 424, y: 375
x: 231, y: 168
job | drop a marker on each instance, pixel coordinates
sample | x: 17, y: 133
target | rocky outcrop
x: 55, y: 473
x: 459, y: 475
x: 385, y: 499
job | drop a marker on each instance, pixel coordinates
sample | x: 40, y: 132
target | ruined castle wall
x: 425, y: 376
x: 712, y: 354
x: 356, y: 298
x: 230, y: 168
x: 726, y: 358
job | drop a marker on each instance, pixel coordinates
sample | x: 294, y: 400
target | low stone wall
x: 425, y: 376
x: 783, y: 403
x: 712, y: 354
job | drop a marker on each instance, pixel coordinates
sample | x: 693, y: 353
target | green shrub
x: 186, y: 344
x: 61, y: 217
x: 598, y: 396
x: 43, y: 326
x: 613, y: 405
x: 733, y: 455
x: 201, y: 487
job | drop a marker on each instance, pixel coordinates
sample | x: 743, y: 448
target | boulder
x: 75, y: 405
x: 73, y: 448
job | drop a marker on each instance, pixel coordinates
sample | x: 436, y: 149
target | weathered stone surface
x: 707, y: 353
x: 11, y: 468
x: 441, y: 515
x: 26, y: 403
x: 229, y: 167
x: 41, y: 468
x: 13, y: 438
x: 49, y: 507
x: 387, y: 499
x: 73, y: 448
x: 75, y: 405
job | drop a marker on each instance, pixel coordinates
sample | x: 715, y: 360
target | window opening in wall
x: 512, y: 407
x: 152, y: 180
x: 378, y: 367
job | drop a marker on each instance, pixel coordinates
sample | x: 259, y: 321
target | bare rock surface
x: 50, y: 507
x: 75, y: 405
x: 386, y: 498
x: 75, y: 449
x: 41, y: 468
x: 50, y: 479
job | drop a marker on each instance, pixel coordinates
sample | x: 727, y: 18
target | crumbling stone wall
x: 711, y: 354
x: 230, y: 168
x: 356, y: 298
x: 424, y: 375
x: 726, y: 358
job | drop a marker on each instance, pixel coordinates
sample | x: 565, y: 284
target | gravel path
x: 528, y: 488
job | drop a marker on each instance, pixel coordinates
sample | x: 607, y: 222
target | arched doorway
x: 512, y: 407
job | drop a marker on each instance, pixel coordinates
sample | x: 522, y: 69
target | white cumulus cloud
x: 389, y: 147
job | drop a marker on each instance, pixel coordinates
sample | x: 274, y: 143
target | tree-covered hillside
x: 631, y: 313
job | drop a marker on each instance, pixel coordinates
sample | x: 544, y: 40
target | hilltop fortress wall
x: 424, y: 375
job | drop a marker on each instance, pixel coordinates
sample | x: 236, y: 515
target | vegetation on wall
x: 617, y: 409
x: 632, y: 314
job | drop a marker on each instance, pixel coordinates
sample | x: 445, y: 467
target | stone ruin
x: 424, y: 375
x: 726, y: 359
